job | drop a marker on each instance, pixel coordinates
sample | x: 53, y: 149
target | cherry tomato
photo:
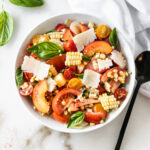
x: 34, y: 56
x: 26, y: 89
x: 61, y: 118
x: 70, y: 73
x: 69, y: 46
x: 120, y: 94
x: 68, y: 35
x: 58, y: 62
x: 29, y: 45
x: 101, y: 90
x: 28, y: 75
x: 66, y: 95
x: 59, y: 27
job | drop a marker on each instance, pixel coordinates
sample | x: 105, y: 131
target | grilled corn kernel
x: 52, y: 71
x: 102, y: 121
x: 55, y: 35
x: 60, y: 80
x: 63, y: 103
x: 92, y: 124
x: 65, y: 112
x: 95, y: 64
x: 73, y: 58
x: 109, y: 102
x: 91, y: 25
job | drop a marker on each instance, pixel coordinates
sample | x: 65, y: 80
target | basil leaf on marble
x: 27, y: 3
x: 6, y: 27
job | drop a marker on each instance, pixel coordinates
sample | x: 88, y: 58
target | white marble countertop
x: 20, y: 131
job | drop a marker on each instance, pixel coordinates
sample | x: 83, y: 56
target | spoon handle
x: 125, y: 122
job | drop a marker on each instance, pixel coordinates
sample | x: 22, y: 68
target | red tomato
x: 58, y: 62
x: 70, y: 73
x: 83, y: 27
x: 59, y: 27
x: 61, y: 118
x: 120, y: 94
x: 28, y: 75
x: 27, y: 90
x: 101, y: 90
x: 67, y: 95
x: 94, y: 117
x: 69, y: 46
x: 68, y: 35
x: 29, y: 45
x: 34, y: 56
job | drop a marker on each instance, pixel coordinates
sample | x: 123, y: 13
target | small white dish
x: 50, y: 24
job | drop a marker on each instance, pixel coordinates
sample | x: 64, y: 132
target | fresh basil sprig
x: 76, y: 119
x: 80, y: 75
x: 113, y: 38
x: 46, y: 50
x: 51, y: 31
x: 6, y: 27
x: 86, y: 58
x: 19, y: 76
x: 27, y: 3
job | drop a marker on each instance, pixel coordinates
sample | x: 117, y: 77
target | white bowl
x: 50, y: 24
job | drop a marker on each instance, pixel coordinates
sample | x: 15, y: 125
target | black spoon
x: 142, y: 63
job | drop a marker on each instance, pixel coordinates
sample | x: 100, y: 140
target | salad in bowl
x: 75, y: 73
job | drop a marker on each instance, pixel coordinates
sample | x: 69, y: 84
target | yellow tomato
x: 98, y: 108
x: 40, y: 38
x: 102, y: 31
x: 75, y: 83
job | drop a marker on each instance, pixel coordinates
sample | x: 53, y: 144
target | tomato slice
x: 101, y: 90
x: 59, y: 27
x: 61, y: 118
x: 26, y: 89
x: 94, y: 117
x: 70, y: 73
x: 70, y: 46
x: 28, y: 75
x: 68, y: 35
x: 121, y: 94
x: 58, y: 62
x: 34, y: 56
x: 67, y: 95
x: 29, y: 45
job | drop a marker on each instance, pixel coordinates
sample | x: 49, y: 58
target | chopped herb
x: 122, y: 85
x: 62, y: 70
x: 120, y: 96
x: 35, y: 83
x: 80, y: 75
x: 103, y: 119
x: 109, y: 80
x: 51, y: 31
x: 85, y: 93
x: 86, y: 58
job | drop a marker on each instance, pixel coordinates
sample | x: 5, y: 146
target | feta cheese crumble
x: 51, y: 84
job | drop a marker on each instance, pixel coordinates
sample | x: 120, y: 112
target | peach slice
x: 38, y: 98
x: 97, y: 47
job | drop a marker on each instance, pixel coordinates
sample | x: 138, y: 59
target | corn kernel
x: 91, y: 25
x: 55, y: 35
x: 63, y: 103
x: 92, y: 124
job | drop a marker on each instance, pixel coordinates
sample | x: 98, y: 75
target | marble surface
x: 20, y: 131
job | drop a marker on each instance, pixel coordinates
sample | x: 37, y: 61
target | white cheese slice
x: 91, y: 78
x: 104, y: 64
x: 117, y: 58
x: 51, y: 84
x: 38, y: 68
x: 107, y: 86
x: 84, y: 38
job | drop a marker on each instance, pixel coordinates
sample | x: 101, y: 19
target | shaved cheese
x: 117, y: 58
x: 84, y: 39
x: 104, y: 64
x: 91, y: 78
x: 51, y: 84
x: 38, y: 68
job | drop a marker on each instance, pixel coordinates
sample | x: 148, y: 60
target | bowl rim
x: 92, y: 128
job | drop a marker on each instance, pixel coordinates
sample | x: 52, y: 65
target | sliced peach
x: 38, y: 98
x: 97, y: 47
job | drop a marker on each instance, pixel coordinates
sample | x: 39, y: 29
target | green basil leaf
x: 35, y: 83
x: 6, y: 27
x: 86, y: 58
x: 51, y: 31
x: 80, y: 75
x: 19, y: 76
x: 113, y: 38
x: 85, y: 93
x: 76, y: 119
x: 46, y: 50
x: 27, y: 3
x: 62, y: 70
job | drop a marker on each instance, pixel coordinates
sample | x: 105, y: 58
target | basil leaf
x: 35, y: 83
x: 27, y: 3
x: 62, y: 70
x: 76, y: 119
x: 51, y: 31
x: 80, y: 75
x: 19, y: 76
x: 6, y: 27
x: 86, y: 58
x: 85, y: 93
x: 46, y: 50
x: 113, y: 38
